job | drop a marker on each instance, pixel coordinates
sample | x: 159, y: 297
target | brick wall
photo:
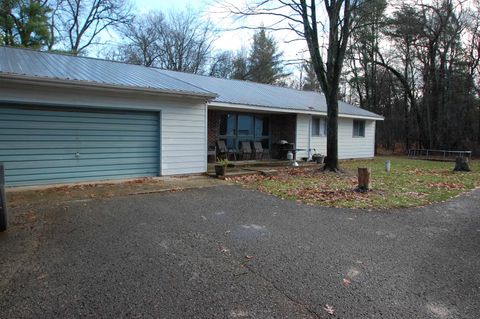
x: 213, y: 127
x: 283, y: 127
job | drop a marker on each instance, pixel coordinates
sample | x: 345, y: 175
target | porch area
x: 250, y: 139
x: 250, y: 167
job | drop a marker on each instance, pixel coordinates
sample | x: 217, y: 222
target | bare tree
x: 221, y: 65
x: 55, y: 33
x: 473, y: 55
x: 144, y: 46
x: 187, y: 41
x: 304, y: 18
x: 178, y: 41
x: 81, y: 22
x: 430, y: 55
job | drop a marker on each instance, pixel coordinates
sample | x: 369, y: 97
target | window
x: 319, y: 126
x: 237, y: 127
x: 228, y: 124
x: 358, y: 128
x: 262, y: 126
x: 245, y: 125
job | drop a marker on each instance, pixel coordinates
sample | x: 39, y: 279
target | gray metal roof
x: 43, y: 65
x: 264, y: 95
x: 32, y: 63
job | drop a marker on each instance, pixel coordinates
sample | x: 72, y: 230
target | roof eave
x: 235, y: 106
x: 102, y: 86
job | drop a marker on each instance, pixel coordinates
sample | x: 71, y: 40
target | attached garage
x: 44, y: 146
x: 67, y: 119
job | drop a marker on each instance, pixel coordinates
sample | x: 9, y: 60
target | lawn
x: 409, y: 183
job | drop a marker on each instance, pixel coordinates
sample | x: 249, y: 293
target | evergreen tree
x: 241, y: 67
x: 264, y: 62
x: 24, y: 23
x: 310, y: 82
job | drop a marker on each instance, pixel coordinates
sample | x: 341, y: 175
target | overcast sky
x: 231, y: 40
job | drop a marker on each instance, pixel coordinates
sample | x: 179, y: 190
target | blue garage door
x: 45, y: 146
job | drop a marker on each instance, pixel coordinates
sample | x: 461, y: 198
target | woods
x: 418, y: 66
x: 414, y: 62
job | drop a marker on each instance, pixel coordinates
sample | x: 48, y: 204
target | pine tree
x: 264, y: 61
x: 310, y: 82
x: 240, y: 66
x: 24, y: 23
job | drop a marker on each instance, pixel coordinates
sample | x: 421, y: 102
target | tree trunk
x: 478, y: 133
x: 331, y: 162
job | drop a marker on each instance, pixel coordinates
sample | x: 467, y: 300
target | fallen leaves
x: 412, y: 183
x: 417, y: 195
x: 346, y: 282
x: 446, y: 185
x: 329, y: 309
x: 224, y: 250
x: 136, y: 181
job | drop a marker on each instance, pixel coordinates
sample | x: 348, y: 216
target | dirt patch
x: 88, y: 191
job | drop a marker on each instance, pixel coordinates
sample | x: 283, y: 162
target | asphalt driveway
x: 226, y: 251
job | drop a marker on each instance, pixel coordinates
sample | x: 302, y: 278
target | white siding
x: 348, y: 146
x: 303, y: 133
x: 355, y: 147
x: 183, y: 120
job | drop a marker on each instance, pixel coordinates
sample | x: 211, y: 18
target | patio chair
x: 223, y: 150
x: 258, y: 150
x: 245, y: 150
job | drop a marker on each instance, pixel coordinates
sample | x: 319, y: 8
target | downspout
x: 205, y: 167
x: 309, y: 151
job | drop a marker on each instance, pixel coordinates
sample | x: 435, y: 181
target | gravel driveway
x: 229, y: 252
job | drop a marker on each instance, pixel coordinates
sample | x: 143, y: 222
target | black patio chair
x: 224, y: 151
x: 258, y: 150
x: 245, y: 150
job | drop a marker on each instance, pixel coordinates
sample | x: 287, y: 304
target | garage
x: 55, y: 145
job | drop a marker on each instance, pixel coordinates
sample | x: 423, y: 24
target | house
x: 68, y: 119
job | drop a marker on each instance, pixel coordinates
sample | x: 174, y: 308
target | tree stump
x: 364, y: 180
x: 461, y: 164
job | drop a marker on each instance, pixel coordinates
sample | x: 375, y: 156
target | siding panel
x: 349, y: 147
x: 355, y: 147
x: 302, y: 136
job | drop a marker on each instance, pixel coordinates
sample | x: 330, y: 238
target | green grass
x: 410, y: 183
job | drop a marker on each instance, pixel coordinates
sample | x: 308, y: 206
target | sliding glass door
x: 238, y: 127
x: 245, y: 129
x: 228, y: 129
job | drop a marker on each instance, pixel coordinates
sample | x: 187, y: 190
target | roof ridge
x: 67, y: 54
x: 243, y: 81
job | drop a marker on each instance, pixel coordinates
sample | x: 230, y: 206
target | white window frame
x: 319, y: 133
x: 357, y: 131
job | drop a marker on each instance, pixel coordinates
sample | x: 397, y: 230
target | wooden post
x: 3, y: 201
x: 364, y: 180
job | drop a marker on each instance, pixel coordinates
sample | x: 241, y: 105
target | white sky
x: 229, y: 39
